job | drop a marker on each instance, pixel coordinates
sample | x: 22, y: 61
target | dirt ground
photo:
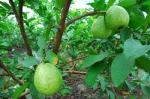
x: 80, y: 91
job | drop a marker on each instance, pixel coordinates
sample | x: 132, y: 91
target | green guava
x: 116, y: 17
x: 99, y: 29
x: 47, y: 79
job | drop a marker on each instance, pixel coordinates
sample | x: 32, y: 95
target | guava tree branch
x: 9, y: 73
x: 4, y: 75
x: 75, y: 72
x: 80, y: 58
x: 61, y: 27
x: 84, y: 15
x: 19, y: 19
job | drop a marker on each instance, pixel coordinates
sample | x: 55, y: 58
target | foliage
x: 114, y: 65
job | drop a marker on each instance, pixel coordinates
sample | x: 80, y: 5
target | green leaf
x: 143, y: 62
x: 103, y: 82
x: 2, y: 81
x: 120, y: 68
x: 148, y: 18
x: 92, y: 59
x: 125, y: 34
x: 65, y: 91
x: 98, y: 5
x: 2, y: 11
x: 20, y: 90
x: 133, y: 48
x: 110, y: 2
x: 4, y: 26
x: 34, y: 93
x: 4, y: 4
x: 29, y: 61
x: 92, y: 73
x: 147, y: 22
x: 145, y: 6
x: 51, y: 57
x: 127, y: 3
x: 137, y: 19
x: 41, y: 42
x: 111, y: 94
x: 146, y: 90
x: 60, y: 3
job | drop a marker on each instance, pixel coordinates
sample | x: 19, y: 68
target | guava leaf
x: 34, y: 93
x: 64, y: 91
x: 143, y: 62
x: 20, y: 90
x: 103, y: 82
x: 133, y: 48
x: 51, y: 57
x: 92, y: 59
x: 2, y: 11
x: 98, y: 5
x: 146, y: 90
x: 137, y: 18
x: 110, y: 2
x: 148, y: 18
x: 120, y: 68
x: 29, y: 61
x: 145, y: 6
x: 4, y: 26
x: 127, y: 3
x: 5, y: 5
x: 92, y: 73
x: 111, y: 94
x: 60, y: 3
x: 147, y: 22
x: 125, y: 34
x: 41, y: 42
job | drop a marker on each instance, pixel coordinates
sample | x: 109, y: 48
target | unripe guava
x: 99, y: 29
x: 116, y: 17
x: 47, y: 79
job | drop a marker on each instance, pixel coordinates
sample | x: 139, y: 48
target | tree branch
x: 4, y: 75
x: 75, y: 72
x: 74, y: 60
x: 61, y: 27
x: 84, y: 15
x: 10, y: 73
x: 19, y: 19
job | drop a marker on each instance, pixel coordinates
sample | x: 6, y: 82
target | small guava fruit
x: 47, y: 79
x: 99, y: 29
x: 116, y: 17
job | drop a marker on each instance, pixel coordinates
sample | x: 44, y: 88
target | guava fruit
x: 47, y: 79
x: 116, y: 17
x: 99, y: 29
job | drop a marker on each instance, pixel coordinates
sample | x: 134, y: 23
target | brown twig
x: 84, y: 15
x: 75, y: 72
x: 61, y: 27
x: 19, y: 19
x: 10, y: 73
x: 26, y: 92
x: 74, y: 60
x: 4, y: 75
